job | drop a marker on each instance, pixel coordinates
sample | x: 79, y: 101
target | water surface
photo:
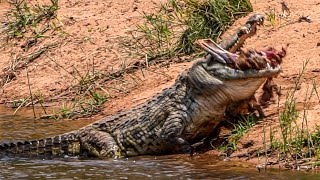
x: 161, y: 167
x: 23, y: 126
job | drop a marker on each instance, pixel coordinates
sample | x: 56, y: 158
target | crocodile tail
x: 65, y: 144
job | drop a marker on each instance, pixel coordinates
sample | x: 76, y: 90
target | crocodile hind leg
x: 98, y: 143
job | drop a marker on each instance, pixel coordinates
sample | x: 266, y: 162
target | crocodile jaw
x: 215, y: 82
x: 248, y: 30
x: 221, y: 64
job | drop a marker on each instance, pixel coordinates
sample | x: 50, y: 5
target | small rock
x: 305, y: 19
x: 248, y: 144
x: 284, y: 75
x: 318, y: 44
x: 135, y: 8
x: 226, y: 159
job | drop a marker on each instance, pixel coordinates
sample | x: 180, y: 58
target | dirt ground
x: 95, y: 26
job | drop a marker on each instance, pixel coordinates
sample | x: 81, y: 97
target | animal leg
x: 172, y: 130
x: 254, y: 105
x: 99, y: 143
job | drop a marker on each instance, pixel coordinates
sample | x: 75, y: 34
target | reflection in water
x: 23, y: 126
x: 162, y: 167
x: 143, y: 167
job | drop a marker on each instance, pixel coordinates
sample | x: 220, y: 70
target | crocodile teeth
x: 273, y: 68
x: 260, y: 22
x: 268, y: 66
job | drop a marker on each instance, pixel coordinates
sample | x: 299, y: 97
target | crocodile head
x: 227, y: 77
x: 236, y: 41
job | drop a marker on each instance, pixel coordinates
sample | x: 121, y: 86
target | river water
x: 22, y: 126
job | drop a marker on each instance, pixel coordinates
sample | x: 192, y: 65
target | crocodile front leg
x: 98, y: 143
x: 171, y: 131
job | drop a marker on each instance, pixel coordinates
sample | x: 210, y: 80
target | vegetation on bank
x: 293, y: 142
x: 172, y: 30
x: 238, y: 129
x: 169, y: 32
x: 30, y: 20
x: 297, y: 141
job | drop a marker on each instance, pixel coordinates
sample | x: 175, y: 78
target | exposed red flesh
x: 254, y: 59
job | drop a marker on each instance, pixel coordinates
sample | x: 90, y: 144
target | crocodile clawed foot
x: 261, y: 116
x: 192, y: 151
x: 194, y: 146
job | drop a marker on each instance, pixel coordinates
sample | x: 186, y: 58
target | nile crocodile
x: 172, y: 120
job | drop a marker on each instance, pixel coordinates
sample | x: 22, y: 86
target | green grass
x: 168, y: 32
x: 82, y: 99
x: 173, y: 29
x: 291, y: 133
x: 87, y: 99
x: 315, y: 141
x: 82, y: 105
x: 297, y: 140
x: 239, y: 129
x: 272, y: 16
x: 32, y: 20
